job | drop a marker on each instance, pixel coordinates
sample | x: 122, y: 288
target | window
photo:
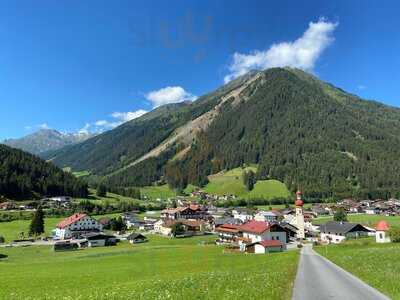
x: 277, y: 238
x: 381, y: 236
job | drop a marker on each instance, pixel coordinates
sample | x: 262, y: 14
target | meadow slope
x: 161, y: 269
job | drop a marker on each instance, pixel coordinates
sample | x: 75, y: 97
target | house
x: 227, y: 234
x: 7, y: 205
x: 382, y: 235
x: 105, y: 222
x: 266, y: 246
x: 336, y: 232
x: 191, y: 227
x: 65, y: 246
x: 136, y: 238
x: 226, y: 220
x: 99, y: 239
x: 133, y: 221
x: 372, y: 210
x: 192, y: 211
x: 148, y: 224
x: 256, y: 231
x: 266, y: 216
x: 76, y: 225
x: 61, y: 199
x: 242, y: 214
x: 163, y: 227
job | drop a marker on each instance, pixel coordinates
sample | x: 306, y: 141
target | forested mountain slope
x: 298, y: 129
x: 25, y: 176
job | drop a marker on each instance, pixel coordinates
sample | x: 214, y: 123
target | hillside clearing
x: 231, y: 183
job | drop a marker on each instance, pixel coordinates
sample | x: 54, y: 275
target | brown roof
x: 228, y: 228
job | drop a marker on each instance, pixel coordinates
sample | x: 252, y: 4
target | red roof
x: 270, y: 243
x: 382, y: 226
x: 70, y: 220
x: 255, y: 227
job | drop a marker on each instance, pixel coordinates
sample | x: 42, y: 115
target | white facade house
x: 257, y: 231
x: 242, y: 214
x: 266, y: 216
x: 76, y: 224
x: 336, y: 232
x: 382, y: 235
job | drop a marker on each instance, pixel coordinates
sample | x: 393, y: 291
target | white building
x: 242, y: 214
x: 257, y: 231
x: 381, y: 234
x: 266, y: 216
x: 75, y: 225
x: 336, y: 232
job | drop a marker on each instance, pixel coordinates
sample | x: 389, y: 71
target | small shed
x: 136, y: 238
x: 266, y: 246
x: 99, y: 239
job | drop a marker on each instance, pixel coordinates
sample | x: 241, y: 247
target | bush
x: 394, y: 233
x: 2, y: 240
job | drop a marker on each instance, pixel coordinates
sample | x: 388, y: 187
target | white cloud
x: 169, y: 94
x: 43, y: 126
x: 301, y: 53
x: 84, y: 129
x: 128, y: 116
x: 361, y: 87
x: 118, y: 119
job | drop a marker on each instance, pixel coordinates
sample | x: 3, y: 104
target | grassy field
x: 163, y: 268
x: 376, y: 264
x: 154, y: 192
x: 367, y: 220
x: 231, y: 182
x: 11, y: 230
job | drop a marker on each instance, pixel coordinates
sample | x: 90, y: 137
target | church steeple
x: 299, y: 216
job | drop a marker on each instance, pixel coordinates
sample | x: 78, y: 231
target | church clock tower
x: 299, y: 216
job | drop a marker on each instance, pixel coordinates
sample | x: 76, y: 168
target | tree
x: 340, y: 216
x: 117, y: 224
x: 249, y: 179
x: 37, y: 223
x: 177, y: 229
x: 394, y: 233
x: 101, y: 190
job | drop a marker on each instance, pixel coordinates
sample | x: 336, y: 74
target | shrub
x: 2, y: 240
x: 394, y: 233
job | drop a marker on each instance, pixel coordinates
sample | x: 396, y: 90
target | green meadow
x: 376, y: 264
x: 11, y: 230
x: 367, y: 220
x: 163, y: 268
x: 231, y: 182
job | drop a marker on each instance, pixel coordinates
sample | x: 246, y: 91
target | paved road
x: 319, y: 279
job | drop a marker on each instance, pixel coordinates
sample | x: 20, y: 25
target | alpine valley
x: 296, y: 128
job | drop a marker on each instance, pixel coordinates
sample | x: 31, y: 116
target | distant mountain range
x: 46, y: 140
x: 298, y: 129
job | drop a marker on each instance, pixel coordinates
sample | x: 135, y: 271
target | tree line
x: 25, y: 176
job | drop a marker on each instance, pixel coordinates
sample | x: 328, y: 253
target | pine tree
x: 37, y: 224
x: 101, y: 190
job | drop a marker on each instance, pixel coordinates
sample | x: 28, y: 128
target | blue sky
x: 90, y: 65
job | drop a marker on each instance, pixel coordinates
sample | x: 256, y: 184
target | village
x: 238, y: 229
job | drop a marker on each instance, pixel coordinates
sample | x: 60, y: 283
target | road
x: 319, y: 279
